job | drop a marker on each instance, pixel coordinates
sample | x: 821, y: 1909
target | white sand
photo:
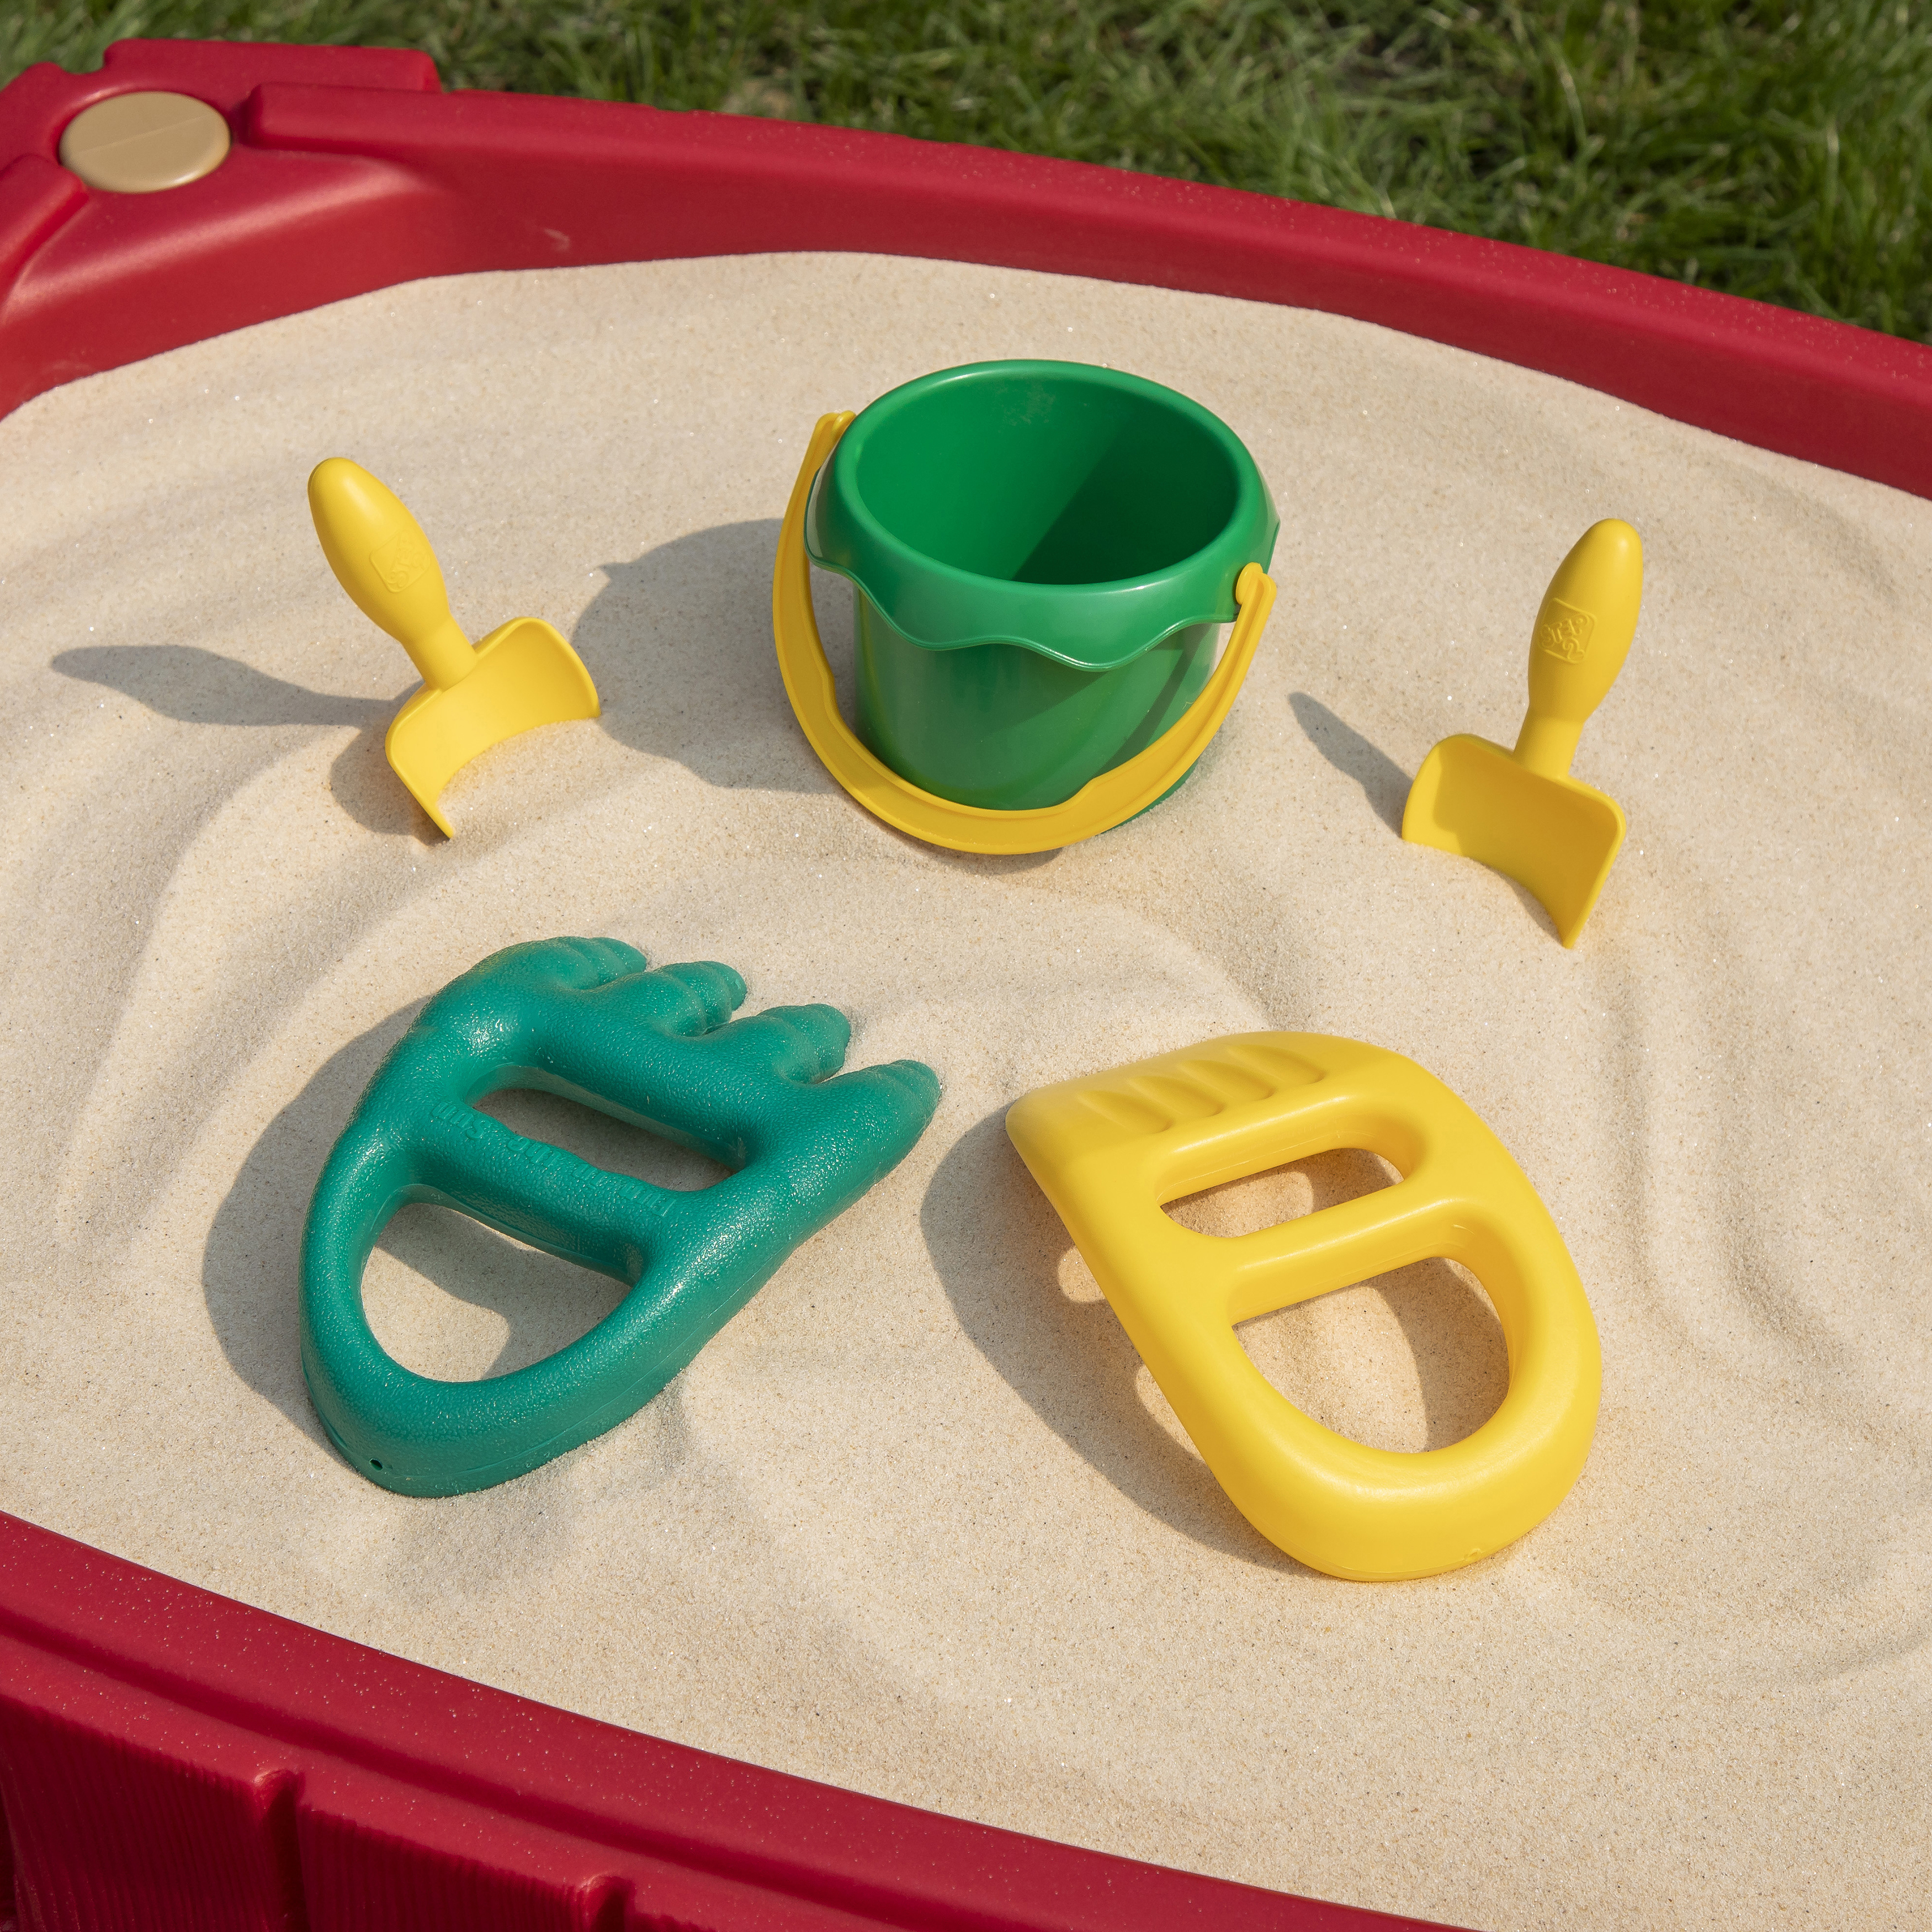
x: 914, y: 1522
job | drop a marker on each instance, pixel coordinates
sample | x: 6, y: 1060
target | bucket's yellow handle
x: 1101, y: 803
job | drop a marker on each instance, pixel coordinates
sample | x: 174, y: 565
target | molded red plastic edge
x: 169, y: 1757
x: 350, y: 173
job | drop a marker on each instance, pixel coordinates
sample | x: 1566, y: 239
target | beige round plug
x: 138, y: 143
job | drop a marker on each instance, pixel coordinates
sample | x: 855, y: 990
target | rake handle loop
x: 381, y: 557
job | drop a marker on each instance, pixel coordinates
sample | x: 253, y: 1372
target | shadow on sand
x: 198, y: 687
x: 1384, y: 782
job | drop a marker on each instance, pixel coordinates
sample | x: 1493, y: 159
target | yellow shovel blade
x: 526, y: 674
x: 1556, y: 837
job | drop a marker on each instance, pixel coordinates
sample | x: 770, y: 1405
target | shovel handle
x: 1583, y: 631
x: 381, y: 557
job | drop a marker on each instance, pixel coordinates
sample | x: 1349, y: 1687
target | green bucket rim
x: 942, y: 607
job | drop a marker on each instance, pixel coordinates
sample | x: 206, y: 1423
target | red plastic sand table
x: 171, y: 1759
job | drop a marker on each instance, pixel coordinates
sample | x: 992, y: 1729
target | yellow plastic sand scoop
x: 1520, y: 810
x: 523, y: 674
x: 1112, y: 1149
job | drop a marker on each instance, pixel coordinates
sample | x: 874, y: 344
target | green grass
x: 1780, y: 151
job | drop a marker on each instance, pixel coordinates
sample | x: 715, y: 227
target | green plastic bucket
x: 1042, y: 553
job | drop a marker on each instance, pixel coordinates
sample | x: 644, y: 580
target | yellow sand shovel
x: 523, y: 674
x: 1520, y: 810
